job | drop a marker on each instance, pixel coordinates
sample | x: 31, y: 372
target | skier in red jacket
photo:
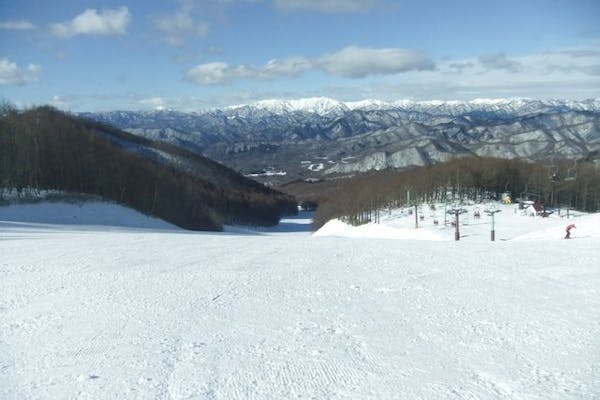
x: 568, y: 230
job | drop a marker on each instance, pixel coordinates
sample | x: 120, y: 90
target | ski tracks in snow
x: 293, y: 353
x: 174, y: 316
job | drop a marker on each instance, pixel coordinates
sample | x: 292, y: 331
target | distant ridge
x: 278, y: 141
x: 325, y: 105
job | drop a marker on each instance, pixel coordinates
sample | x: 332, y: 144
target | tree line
x: 564, y: 183
x: 46, y: 149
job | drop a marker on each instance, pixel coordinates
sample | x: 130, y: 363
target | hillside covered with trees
x: 44, y: 149
x: 572, y: 184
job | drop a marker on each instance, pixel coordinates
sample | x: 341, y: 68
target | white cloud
x: 91, y: 22
x: 351, y: 62
x: 177, y: 28
x: 219, y: 73
x: 460, y: 66
x: 584, y: 60
x: 563, y: 73
x: 500, y: 61
x: 292, y: 66
x: 11, y: 74
x: 156, y: 103
x: 357, y: 62
x: 203, y: 28
x: 20, y: 25
x: 59, y: 102
x: 578, y: 52
x: 561, y: 63
x: 328, y: 6
x: 591, y: 69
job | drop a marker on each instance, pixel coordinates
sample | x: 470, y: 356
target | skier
x: 568, y: 230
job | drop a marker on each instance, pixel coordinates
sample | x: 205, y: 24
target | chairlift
x: 527, y: 197
x: 553, y: 175
x: 521, y: 199
x: 572, y: 172
x: 553, y: 171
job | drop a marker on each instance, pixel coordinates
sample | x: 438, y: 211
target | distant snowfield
x: 102, y: 313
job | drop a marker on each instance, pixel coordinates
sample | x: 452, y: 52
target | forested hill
x: 565, y: 184
x: 46, y: 149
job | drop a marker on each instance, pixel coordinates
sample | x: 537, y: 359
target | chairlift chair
x: 523, y: 193
x: 553, y: 171
x: 572, y: 172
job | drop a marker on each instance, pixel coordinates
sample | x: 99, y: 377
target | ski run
x: 99, y: 302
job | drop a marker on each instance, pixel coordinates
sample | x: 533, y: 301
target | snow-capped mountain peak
x: 318, y: 105
x: 368, y: 105
x: 312, y: 105
x: 325, y: 106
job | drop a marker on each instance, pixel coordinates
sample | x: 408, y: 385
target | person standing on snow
x: 568, y: 230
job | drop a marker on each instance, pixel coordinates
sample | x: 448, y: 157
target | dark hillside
x: 46, y: 149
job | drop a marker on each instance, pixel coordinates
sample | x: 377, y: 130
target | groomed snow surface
x: 143, y: 311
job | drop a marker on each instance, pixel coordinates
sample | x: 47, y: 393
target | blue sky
x: 190, y: 55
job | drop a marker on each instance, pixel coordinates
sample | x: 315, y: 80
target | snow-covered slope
x: 103, y: 314
x: 89, y: 213
x: 510, y: 224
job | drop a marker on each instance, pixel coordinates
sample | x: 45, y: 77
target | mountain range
x: 282, y: 140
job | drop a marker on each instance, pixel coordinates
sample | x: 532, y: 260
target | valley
x: 278, y: 141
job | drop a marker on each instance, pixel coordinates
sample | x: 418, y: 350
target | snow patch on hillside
x: 90, y: 213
